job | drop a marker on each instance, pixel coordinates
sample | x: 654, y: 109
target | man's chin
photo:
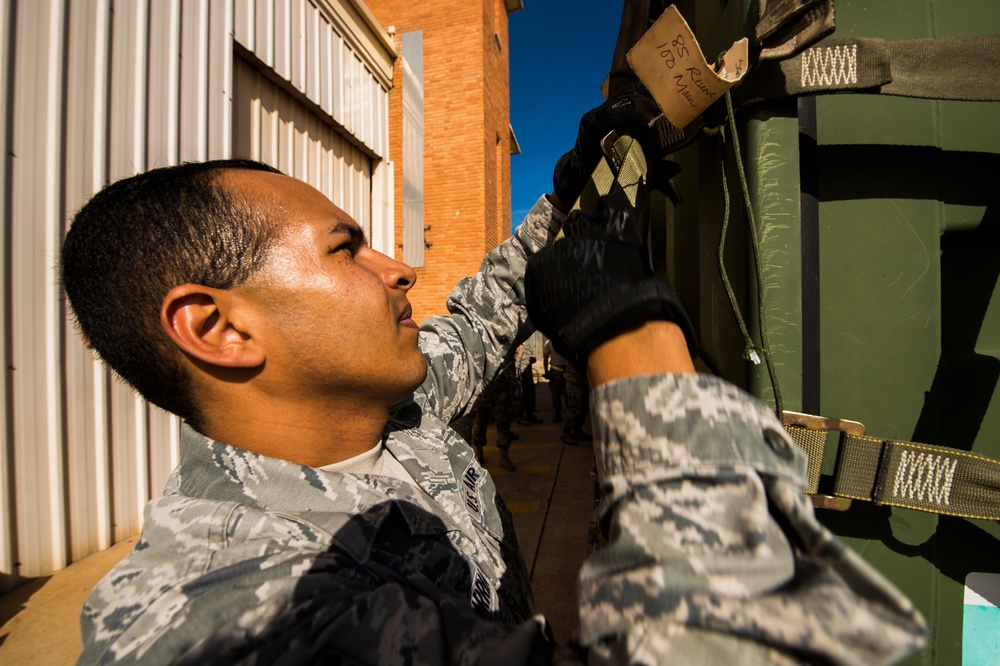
x: 415, y: 377
x: 421, y: 372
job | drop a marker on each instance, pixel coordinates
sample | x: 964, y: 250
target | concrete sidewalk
x: 40, y: 621
x: 551, y: 496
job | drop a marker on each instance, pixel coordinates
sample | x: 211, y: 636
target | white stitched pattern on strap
x: 925, y: 477
x: 829, y: 66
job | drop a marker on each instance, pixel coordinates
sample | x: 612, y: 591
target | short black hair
x: 140, y: 237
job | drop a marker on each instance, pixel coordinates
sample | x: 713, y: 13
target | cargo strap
x: 955, y: 68
x: 896, y: 472
x: 623, y: 165
x: 786, y: 27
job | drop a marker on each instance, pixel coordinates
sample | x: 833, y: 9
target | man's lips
x: 406, y: 319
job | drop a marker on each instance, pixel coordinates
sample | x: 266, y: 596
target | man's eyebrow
x: 351, y: 229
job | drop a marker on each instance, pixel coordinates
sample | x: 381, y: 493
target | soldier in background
x: 554, y: 369
x: 577, y: 406
x: 526, y: 373
x: 496, y: 405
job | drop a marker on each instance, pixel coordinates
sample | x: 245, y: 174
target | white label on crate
x: 981, y: 620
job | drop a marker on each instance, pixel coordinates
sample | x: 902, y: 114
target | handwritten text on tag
x: 669, y: 62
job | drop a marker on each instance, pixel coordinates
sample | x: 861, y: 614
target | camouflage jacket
x: 713, y: 551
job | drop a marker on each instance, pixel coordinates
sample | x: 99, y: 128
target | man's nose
x: 396, y: 274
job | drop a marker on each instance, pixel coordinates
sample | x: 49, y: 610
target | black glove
x: 595, y: 283
x: 633, y: 112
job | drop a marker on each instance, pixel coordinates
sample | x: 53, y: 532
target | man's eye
x: 347, y: 247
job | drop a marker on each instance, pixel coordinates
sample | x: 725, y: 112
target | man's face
x: 334, y: 317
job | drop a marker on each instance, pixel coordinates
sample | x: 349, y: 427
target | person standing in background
x: 498, y: 405
x: 526, y: 371
x: 554, y: 367
x: 577, y: 406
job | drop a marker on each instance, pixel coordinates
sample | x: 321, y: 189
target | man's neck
x: 307, y: 433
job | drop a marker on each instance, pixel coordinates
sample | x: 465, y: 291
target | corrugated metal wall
x: 272, y: 127
x: 95, y: 90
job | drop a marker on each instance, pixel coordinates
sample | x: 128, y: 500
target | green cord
x: 750, y: 352
x: 755, y: 245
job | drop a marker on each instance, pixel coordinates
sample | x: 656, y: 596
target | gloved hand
x: 632, y: 111
x: 595, y: 283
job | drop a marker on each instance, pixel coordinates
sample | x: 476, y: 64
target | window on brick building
x: 413, y: 148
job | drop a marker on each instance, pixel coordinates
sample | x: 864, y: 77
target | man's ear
x: 206, y: 324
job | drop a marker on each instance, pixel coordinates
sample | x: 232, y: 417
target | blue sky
x: 560, y: 52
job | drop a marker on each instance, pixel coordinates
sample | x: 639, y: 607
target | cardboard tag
x: 669, y: 62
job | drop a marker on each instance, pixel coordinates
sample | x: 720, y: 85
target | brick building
x: 450, y: 137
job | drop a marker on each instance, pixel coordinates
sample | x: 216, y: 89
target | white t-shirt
x: 375, y: 460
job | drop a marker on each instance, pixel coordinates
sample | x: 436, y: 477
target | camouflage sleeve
x: 488, y: 320
x: 714, y: 552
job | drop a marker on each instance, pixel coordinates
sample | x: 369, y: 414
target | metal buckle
x: 615, y: 158
x: 821, y: 423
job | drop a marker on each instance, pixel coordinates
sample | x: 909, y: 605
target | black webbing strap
x: 786, y: 27
x: 955, y: 68
x: 929, y: 478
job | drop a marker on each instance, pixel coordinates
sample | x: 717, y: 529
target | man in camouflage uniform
x: 497, y: 405
x: 577, y: 405
x: 554, y: 367
x: 526, y: 377
x: 322, y: 509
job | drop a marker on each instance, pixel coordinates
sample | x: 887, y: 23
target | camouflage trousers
x: 577, y: 401
x: 527, y: 393
x: 502, y: 413
x: 557, y: 385
x: 497, y: 405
